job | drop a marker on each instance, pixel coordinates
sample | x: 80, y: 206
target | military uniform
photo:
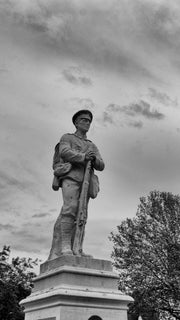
x: 72, y: 149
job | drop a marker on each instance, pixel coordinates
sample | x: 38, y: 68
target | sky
x: 119, y: 59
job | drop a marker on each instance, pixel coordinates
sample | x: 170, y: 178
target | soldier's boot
x: 67, y: 225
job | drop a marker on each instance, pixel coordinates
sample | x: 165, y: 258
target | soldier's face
x: 83, y: 122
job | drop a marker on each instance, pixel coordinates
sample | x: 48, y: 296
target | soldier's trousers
x: 64, y: 228
x: 70, y: 192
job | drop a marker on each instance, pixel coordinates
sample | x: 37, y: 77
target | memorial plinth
x: 76, y: 288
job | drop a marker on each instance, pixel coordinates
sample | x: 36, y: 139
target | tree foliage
x: 15, y: 284
x: 147, y: 254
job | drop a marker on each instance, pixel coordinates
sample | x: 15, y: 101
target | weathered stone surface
x: 79, y: 305
x: 73, y: 160
x: 70, y: 302
x: 76, y: 277
x: 76, y: 261
x: 76, y: 271
x: 72, y: 287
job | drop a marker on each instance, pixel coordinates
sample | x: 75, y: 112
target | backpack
x: 60, y: 168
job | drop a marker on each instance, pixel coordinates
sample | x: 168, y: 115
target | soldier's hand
x: 90, y: 156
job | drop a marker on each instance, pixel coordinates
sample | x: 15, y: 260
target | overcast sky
x: 120, y: 59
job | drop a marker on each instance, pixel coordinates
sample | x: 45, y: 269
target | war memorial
x: 73, y: 285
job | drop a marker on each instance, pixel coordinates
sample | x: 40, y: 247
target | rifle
x: 82, y: 212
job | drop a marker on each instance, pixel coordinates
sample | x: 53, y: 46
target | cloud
x: 20, y: 186
x: 107, y: 118
x: 40, y: 215
x: 8, y: 180
x: 160, y: 21
x: 111, y: 34
x: 136, y: 124
x: 7, y: 226
x: 99, y: 245
x: 52, y: 210
x: 163, y: 98
x: 75, y: 76
x: 114, y: 112
x: 3, y: 70
x: 81, y: 103
x: 110, y: 119
x: 30, y: 237
x: 143, y: 109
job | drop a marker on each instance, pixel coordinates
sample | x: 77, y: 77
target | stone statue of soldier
x: 71, y: 156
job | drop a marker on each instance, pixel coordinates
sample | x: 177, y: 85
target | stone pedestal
x: 76, y: 288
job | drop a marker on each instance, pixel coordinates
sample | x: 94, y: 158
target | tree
x: 146, y: 253
x: 15, y: 284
